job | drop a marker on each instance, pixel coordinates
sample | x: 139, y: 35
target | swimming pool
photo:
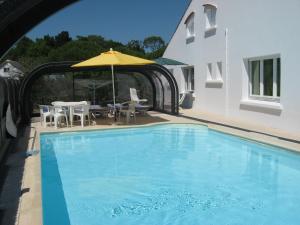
x: 166, y: 175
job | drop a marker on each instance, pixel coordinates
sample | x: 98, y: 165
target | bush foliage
x: 62, y: 47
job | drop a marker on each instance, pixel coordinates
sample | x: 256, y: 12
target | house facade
x: 243, y: 60
x: 11, y: 69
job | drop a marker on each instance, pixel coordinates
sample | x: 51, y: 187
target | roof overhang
x: 210, y: 4
x: 189, y: 17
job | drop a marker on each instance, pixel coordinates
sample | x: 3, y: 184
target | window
x: 264, y: 74
x: 6, y: 69
x: 189, y: 79
x: 214, y: 74
x: 219, y: 71
x: 209, y: 71
x: 190, y: 31
x: 210, y: 12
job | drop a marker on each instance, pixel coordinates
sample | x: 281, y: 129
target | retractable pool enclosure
x: 59, y: 82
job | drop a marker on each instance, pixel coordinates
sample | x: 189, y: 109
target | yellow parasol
x: 113, y: 58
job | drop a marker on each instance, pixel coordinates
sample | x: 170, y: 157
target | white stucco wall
x: 255, y: 28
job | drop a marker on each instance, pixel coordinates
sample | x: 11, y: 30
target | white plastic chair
x: 82, y: 111
x: 59, y: 113
x: 129, y: 112
x: 134, y: 97
x: 46, y: 111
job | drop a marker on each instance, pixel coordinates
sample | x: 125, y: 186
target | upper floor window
x: 6, y: 69
x: 190, y: 27
x: 264, y: 74
x: 210, y: 12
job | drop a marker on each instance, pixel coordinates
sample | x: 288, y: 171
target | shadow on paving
x: 140, y: 120
x: 11, y: 175
x: 154, y: 117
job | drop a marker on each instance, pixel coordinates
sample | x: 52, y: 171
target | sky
x: 119, y: 20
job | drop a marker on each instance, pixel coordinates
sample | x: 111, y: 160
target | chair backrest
x: 45, y: 108
x: 84, y: 109
x: 133, y: 95
x: 131, y: 107
x: 60, y: 109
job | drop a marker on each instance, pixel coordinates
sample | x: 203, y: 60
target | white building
x: 11, y: 69
x: 243, y: 58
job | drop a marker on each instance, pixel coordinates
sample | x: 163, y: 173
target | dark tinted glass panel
x: 255, y: 77
x: 95, y: 87
x: 50, y: 88
x: 268, y: 77
x: 166, y: 91
x: 278, y: 76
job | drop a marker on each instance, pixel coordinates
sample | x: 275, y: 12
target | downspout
x: 227, y: 74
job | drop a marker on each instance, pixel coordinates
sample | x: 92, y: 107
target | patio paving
x: 222, y: 120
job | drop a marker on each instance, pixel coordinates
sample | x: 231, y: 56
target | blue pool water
x: 167, y: 175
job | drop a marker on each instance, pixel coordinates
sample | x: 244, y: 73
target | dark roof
x: 166, y: 61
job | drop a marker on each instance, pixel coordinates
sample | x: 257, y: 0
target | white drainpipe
x: 227, y: 74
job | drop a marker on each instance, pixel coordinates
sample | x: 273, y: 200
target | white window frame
x: 187, y: 73
x: 190, y: 26
x: 219, y: 71
x: 209, y: 72
x: 261, y: 95
x: 214, y: 74
x: 210, y: 12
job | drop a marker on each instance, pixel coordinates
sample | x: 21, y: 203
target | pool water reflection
x: 167, y: 174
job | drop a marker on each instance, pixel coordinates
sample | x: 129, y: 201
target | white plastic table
x: 70, y: 106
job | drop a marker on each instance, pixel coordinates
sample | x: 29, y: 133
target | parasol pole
x: 94, y: 92
x: 113, y: 84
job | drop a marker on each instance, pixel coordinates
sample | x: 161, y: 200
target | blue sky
x: 120, y: 20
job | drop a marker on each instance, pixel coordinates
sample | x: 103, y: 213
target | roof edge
x: 179, y: 22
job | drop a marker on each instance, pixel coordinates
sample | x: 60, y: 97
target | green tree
x: 136, y: 45
x: 75, y: 50
x: 156, y: 54
x: 62, y: 38
x: 50, y: 41
x: 62, y: 47
x: 153, y: 43
x: 20, y: 49
x: 39, y: 49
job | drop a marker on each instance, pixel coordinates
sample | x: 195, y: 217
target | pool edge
x: 258, y: 138
x: 34, y: 216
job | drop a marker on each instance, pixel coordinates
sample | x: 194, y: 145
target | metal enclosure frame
x: 151, y: 72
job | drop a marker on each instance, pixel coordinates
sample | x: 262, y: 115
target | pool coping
x: 218, y: 128
x: 32, y: 169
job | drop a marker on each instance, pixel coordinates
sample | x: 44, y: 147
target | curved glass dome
x: 58, y: 81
